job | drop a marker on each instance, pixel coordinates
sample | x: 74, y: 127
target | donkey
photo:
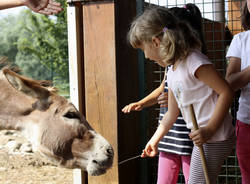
x: 52, y: 124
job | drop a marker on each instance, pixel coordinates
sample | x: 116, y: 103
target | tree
x: 38, y: 44
x: 46, y: 38
x: 8, y: 36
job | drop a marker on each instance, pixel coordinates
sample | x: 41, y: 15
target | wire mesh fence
x: 221, y: 21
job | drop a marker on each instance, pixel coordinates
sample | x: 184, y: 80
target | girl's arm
x: 167, y: 122
x: 209, y: 75
x: 149, y: 100
x: 236, y: 77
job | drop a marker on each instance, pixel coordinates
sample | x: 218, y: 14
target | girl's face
x: 151, y: 51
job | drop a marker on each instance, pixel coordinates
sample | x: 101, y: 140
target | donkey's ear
x: 29, y: 87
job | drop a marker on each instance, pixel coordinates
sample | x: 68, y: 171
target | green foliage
x: 8, y: 36
x: 46, y: 38
x: 31, y: 67
x: 38, y: 44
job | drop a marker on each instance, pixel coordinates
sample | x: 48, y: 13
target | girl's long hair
x: 177, y: 37
x: 245, y: 18
x: 191, y: 14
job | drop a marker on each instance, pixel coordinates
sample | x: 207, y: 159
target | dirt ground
x: 19, y: 165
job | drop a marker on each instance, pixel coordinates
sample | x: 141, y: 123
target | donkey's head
x: 52, y: 124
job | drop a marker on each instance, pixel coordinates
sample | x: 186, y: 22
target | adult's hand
x: 47, y: 7
x: 163, y: 99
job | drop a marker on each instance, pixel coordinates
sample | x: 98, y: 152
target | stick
x: 132, y: 158
x: 203, y: 159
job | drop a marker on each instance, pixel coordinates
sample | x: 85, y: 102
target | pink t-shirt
x: 188, y: 90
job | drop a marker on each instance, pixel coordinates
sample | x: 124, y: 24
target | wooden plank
x: 234, y: 14
x: 214, y: 33
x: 75, y: 1
x: 75, y: 69
x: 100, y: 78
x: 111, y: 82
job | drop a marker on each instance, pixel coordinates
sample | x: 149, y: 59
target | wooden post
x: 76, y: 69
x: 110, y: 82
x: 234, y: 14
x: 100, y: 78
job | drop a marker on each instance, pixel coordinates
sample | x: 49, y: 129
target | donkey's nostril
x: 94, y: 161
x: 110, y: 151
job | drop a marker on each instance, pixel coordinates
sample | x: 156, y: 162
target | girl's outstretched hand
x: 132, y: 107
x: 201, y: 135
x: 150, y: 150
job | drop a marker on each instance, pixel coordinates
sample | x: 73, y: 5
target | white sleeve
x: 234, y: 49
x: 196, y: 61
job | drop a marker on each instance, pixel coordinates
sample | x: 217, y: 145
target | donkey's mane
x: 5, y: 63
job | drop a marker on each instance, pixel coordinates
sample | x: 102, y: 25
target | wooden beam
x: 111, y: 81
x: 100, y: 78
x: 75, y: 69
x: 88, y: 1
x: 234, y: 14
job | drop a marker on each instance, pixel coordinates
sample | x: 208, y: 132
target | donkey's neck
x: 8, y: 124
x: 14, y: 106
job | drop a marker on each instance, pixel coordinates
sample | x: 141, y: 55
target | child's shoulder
x: 195, y: 60
x: 242, y: 35
x: 196, y: 55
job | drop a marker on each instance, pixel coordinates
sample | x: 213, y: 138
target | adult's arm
x: 236, y: 77
x: 47, y: 7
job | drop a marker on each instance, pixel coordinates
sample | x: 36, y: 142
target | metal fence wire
x: 221, y: 21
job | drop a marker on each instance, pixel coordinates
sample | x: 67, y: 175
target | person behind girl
x: 175, y: 147
x: 191, y: 79
x: 238, y: 75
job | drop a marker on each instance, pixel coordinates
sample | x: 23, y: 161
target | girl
x: 192, y: 80
x: 175, y: 147
x: 238, y: 75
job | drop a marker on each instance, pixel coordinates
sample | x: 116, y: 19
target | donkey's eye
x: 71, y: 115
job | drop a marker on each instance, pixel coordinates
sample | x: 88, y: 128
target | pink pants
x: 169, y: 167
x: 243, y: 150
